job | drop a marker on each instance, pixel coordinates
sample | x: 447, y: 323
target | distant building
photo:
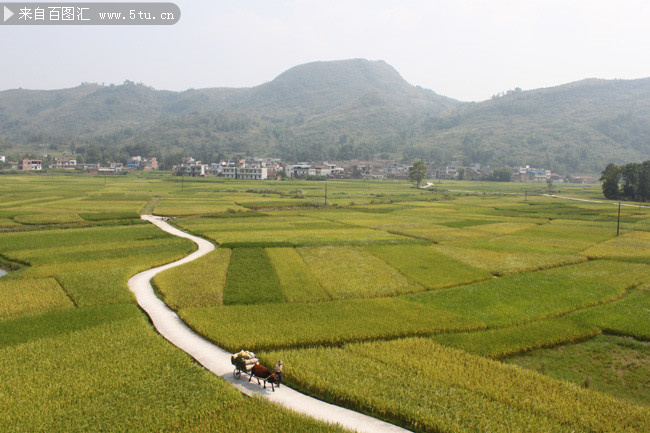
x: 89, y: 168
x: 63, y: 162
x: 298, y: 170
x: 447, y: 172
x: 140, y: 163
x: 251, y: 173
x: 305, y: 169
x: 245, y: 173
x: 31, y: 164
x: 528, y: 174
x: 191, y: 169
x: 230, y: 171
x: 2, y: 158
x: 149, y: 164
x: 215, y: 169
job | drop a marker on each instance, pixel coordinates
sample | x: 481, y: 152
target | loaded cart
x: 246, y: 362
x: 243, y: 361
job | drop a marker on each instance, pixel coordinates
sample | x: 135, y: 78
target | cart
x: 243, y: 362
x: 246, y: 362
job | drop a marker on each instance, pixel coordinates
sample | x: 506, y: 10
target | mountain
x: 338, y: 110
x: 320, y: 86
x: 576, y: 127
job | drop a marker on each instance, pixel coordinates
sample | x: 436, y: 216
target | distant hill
x: 338, y: 110
x: 576, y: 127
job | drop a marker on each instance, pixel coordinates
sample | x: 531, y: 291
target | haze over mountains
x: 334, y: 111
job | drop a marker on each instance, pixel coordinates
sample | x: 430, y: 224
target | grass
x: 351, y: 272
x: 618, y: 366
x: 181, y: 206
x: 104, y: 286
x: 327, y: 323
x: 633, y: 246
x: 298, y: 283
x: 31, y: 296
x: 523, y: 297
x: 120, y: 376
x: 430, y: 388
x: 52, y: 324
x: 502, y: 342
x: 627, y: 316
x: 426, y: 266
x: 507, y: 262
x: 285, y: 231
x: 197, y: 284
x: 48, y: 218
x: 251, y: 279
x: 380, y: 347
x: 100, y: 366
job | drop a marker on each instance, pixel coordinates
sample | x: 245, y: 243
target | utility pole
x: 618, y: 220
x: 526, y: 195
x: 182, y: 180
x: 325, y: 193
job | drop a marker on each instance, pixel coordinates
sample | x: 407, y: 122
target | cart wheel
x: 237, y: 373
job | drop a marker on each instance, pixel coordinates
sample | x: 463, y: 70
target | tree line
x: 627, y: 182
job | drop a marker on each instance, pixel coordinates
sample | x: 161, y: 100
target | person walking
x: 278, y: 372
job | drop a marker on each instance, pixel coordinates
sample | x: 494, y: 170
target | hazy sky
x: 464, y: 49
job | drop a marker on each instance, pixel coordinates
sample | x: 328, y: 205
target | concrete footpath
x: 217, y: 360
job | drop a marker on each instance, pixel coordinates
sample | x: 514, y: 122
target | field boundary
x: 217, y: 360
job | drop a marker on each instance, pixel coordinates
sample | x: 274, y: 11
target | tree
x: 630, y: 181
x: 610, y: 178
x: 503, y: 174
x: 418, y: 172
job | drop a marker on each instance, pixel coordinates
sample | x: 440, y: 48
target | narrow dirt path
x: 217, y: 360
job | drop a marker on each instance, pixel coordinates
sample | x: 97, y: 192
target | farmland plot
x: 436, y: 395
x: 198, y: 283
x: 352, y: 272
x: 523, y: 297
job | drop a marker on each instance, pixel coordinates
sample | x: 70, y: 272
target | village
x: 252, y: 168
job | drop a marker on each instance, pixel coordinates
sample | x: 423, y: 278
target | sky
x: 463, y: 49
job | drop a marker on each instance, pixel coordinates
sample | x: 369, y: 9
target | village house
x: 447, y: 172
x: 63, y: 162
x: 528, y: 174
x: 140, y: 163
x: 191, y: 168
x: 88, y: 167
x: 31, y: 164
x: 244, y: 172
x: 251, y: 173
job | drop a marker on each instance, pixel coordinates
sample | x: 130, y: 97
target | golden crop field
x: 438, y: 311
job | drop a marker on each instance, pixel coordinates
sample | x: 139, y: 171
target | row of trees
x: 628, y: 182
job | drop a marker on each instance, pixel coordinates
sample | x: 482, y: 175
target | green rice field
x: 468, y: 307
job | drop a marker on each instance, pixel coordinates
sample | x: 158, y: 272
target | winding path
x: 217, y: 360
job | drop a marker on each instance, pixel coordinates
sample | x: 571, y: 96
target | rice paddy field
x: 467, y: 307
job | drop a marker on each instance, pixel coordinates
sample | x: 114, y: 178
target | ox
x: 260, y: 372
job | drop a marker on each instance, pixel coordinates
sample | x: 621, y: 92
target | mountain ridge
x: 352, y: 108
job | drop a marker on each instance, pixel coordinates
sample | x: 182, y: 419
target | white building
x: 245, y: 173
x: 63, y: 162
x: 194, y: 169
x: 529, y: 174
